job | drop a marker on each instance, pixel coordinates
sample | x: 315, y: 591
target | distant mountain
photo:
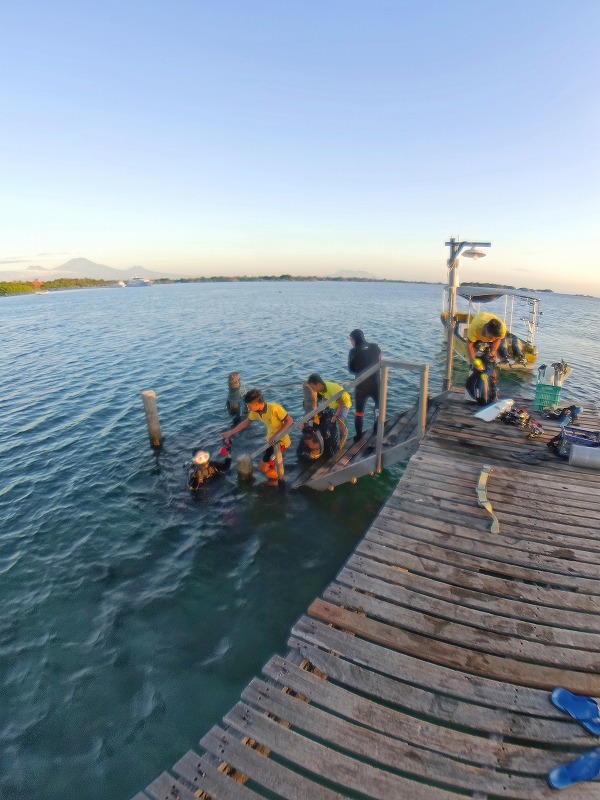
x: 82, y: 268
x: 354, y: 273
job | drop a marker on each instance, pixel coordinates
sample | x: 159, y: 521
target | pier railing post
x: 423, y: 386
x: 383, y: 382
x: 149, y: 399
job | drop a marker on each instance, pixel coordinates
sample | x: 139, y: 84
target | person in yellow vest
x: 274, y: 418
x: 486, y: 328
x: 326, y: 389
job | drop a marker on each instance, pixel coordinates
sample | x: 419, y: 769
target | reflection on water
x: 133, y: 612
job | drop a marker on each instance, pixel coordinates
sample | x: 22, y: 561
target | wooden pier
x: 424, y: 670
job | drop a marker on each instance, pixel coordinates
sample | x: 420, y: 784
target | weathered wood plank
x: 463, y: 560
x: 475, y: 749
x: 564, y: 559
x: 485, y: 664
x: 166, y: 787
x: 404, y: 689
x: 487, y: 620
x: 386, y: 751
x: 479, y: 640
x: 262, y: 770
x: 547, y: 544
x: 471, y: 578
x: 329, y: 764
x: 515, y: 609
x: 205, y: 776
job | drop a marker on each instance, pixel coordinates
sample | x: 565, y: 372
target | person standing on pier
x: 362, y: 356
x: 274, y: 418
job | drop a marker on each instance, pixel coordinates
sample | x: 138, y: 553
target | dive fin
x: 490, y: 412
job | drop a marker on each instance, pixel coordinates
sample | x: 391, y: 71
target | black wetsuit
x: 200, y: 474
x: 362, y: 356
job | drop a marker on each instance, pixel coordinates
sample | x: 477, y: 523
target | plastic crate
x: 546, y: 396
x: 571, y: 435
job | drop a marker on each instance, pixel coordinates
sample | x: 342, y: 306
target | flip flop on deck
x: 584, y: 709
x: 584, y: 768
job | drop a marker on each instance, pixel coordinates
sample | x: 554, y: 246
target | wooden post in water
x: 149, y: 399
x: 279, y: 463
x: 244, y: 468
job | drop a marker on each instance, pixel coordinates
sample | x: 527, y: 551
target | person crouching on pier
x: 274, y: 418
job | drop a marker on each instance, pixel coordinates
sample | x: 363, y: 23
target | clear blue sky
x: 255, y: 137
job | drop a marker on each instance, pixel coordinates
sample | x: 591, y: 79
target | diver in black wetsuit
x: 203, y: 469
x: 362, y: 356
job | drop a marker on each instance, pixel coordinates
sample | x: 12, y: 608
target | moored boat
x: 137, y: 281
x: 521, y: 315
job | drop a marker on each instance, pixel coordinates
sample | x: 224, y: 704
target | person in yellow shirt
x: 486, y: 328
x: 274, y: 418
x: 326, y: 389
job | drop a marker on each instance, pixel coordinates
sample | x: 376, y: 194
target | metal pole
x: 383, y: 382
x: 423, y: 384
x: 452, y: 284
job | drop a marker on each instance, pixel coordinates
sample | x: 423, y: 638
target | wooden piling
x: 151, y: 411
x: 244, y: 468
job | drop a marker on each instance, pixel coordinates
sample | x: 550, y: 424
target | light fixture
x: 474, y: 253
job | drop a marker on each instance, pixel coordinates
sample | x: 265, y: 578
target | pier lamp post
x: 456, y: 249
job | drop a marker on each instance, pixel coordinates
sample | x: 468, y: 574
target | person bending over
x: 274, y: 418
x: 341, y: 406
x: 486, y: 329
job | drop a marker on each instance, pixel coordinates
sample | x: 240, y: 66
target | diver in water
x: 203, y: 469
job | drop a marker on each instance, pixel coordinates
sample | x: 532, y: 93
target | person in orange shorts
x: 274, y: 418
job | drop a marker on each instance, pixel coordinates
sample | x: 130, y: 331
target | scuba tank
x: 311, y: 445
x: 329, y: 431
x: 482, y: 381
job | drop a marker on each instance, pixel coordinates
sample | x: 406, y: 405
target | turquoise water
x: 133, y: 613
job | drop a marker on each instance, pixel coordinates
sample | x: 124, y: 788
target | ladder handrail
x: 423, y: 369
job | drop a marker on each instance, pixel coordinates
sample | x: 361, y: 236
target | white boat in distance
x: 137, y: 281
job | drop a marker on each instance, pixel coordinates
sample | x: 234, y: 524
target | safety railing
x: 382, y: 457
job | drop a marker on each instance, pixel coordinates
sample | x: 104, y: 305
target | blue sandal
x: 583, y: 709
x: 584, y: 768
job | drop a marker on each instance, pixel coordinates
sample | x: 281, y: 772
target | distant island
x: 37, y: 279
x: 8, y: 288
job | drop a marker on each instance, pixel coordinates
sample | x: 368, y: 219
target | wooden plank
x: 275, y: 777
x: 204, y: 775
x: 484, y: 664
x: 386, y: 751
x: 467, y: 747
x: 432, y: 703
x: 477, y: 563
x: 489, y: 619
x: 327, y: 763
x: 528, y: 485
x: 549, y: 544
x: 463, y: 511
x: 513, y: 498
x: 440, y: 630
x: 559, y: 559
x: 166, y: 787
x: 507, y: 607
x: 470, y: 578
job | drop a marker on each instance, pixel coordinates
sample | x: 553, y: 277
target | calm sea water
x: 133, y: 613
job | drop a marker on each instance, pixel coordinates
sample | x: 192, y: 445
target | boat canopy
x: 485, y: 294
